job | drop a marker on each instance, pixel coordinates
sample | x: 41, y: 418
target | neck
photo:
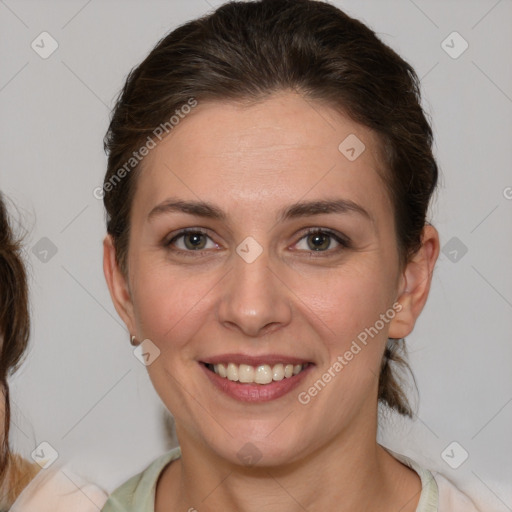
x: 352, y: 472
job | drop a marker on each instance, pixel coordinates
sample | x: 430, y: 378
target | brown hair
x: 245, y: 51
x: 14, y: 333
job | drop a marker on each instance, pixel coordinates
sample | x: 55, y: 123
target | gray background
x: 82, y: 390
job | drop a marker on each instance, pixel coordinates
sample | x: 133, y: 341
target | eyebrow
x: 296, y: 210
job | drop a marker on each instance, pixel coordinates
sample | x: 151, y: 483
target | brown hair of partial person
x: 245, y: 51
x: 15, y: 472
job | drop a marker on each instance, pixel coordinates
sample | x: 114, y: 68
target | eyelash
x: 342, y: 240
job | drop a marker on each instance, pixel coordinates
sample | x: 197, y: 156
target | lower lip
x: 256, y: 392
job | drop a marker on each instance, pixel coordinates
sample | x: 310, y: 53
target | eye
x: 189, y: 240
x: 195, y: 240
x: 321, y: 240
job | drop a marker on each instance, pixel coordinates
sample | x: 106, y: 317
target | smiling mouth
x: 261, y: 374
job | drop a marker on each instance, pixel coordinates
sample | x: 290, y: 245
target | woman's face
x: 255, y: 291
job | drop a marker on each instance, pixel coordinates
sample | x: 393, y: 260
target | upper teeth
x: 262, y: 374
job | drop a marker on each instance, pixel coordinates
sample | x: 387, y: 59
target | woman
x: 24, y: 487
x: 15, y: 472
x: 269, y: 174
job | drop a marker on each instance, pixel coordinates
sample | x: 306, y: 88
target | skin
x: 252, y: 161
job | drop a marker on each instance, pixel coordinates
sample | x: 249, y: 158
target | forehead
x: 276, y: 150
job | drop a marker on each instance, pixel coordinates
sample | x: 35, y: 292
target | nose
x: 254, y: 299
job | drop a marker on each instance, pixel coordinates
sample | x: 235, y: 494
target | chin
x: 256, y: 449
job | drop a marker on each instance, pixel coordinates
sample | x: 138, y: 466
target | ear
x: 415, y: 283
x: 117, y: 284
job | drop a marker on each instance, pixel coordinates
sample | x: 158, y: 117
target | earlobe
x: 117, y: 284
x: 415, y: 284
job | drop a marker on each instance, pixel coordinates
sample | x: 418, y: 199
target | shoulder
x: 59, y: 489
x: 438, y: 493
x: 452, y: 499
x: 138, y: 493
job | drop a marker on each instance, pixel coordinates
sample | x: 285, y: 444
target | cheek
x: 168, y: 305
x: 348, y: 302
x: 347, y: 308
x: 2, y: 415
x: 169, y: 309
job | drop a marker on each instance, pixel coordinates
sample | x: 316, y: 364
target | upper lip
x: 269, y: 359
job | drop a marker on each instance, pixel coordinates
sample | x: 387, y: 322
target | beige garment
x: 58, y: 489
x: 452, y: 499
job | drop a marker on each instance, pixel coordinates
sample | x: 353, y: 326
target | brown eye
x: 322, y: 240
x: 190, y: 241
x: 194, y: 241
x: 319, y: 241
